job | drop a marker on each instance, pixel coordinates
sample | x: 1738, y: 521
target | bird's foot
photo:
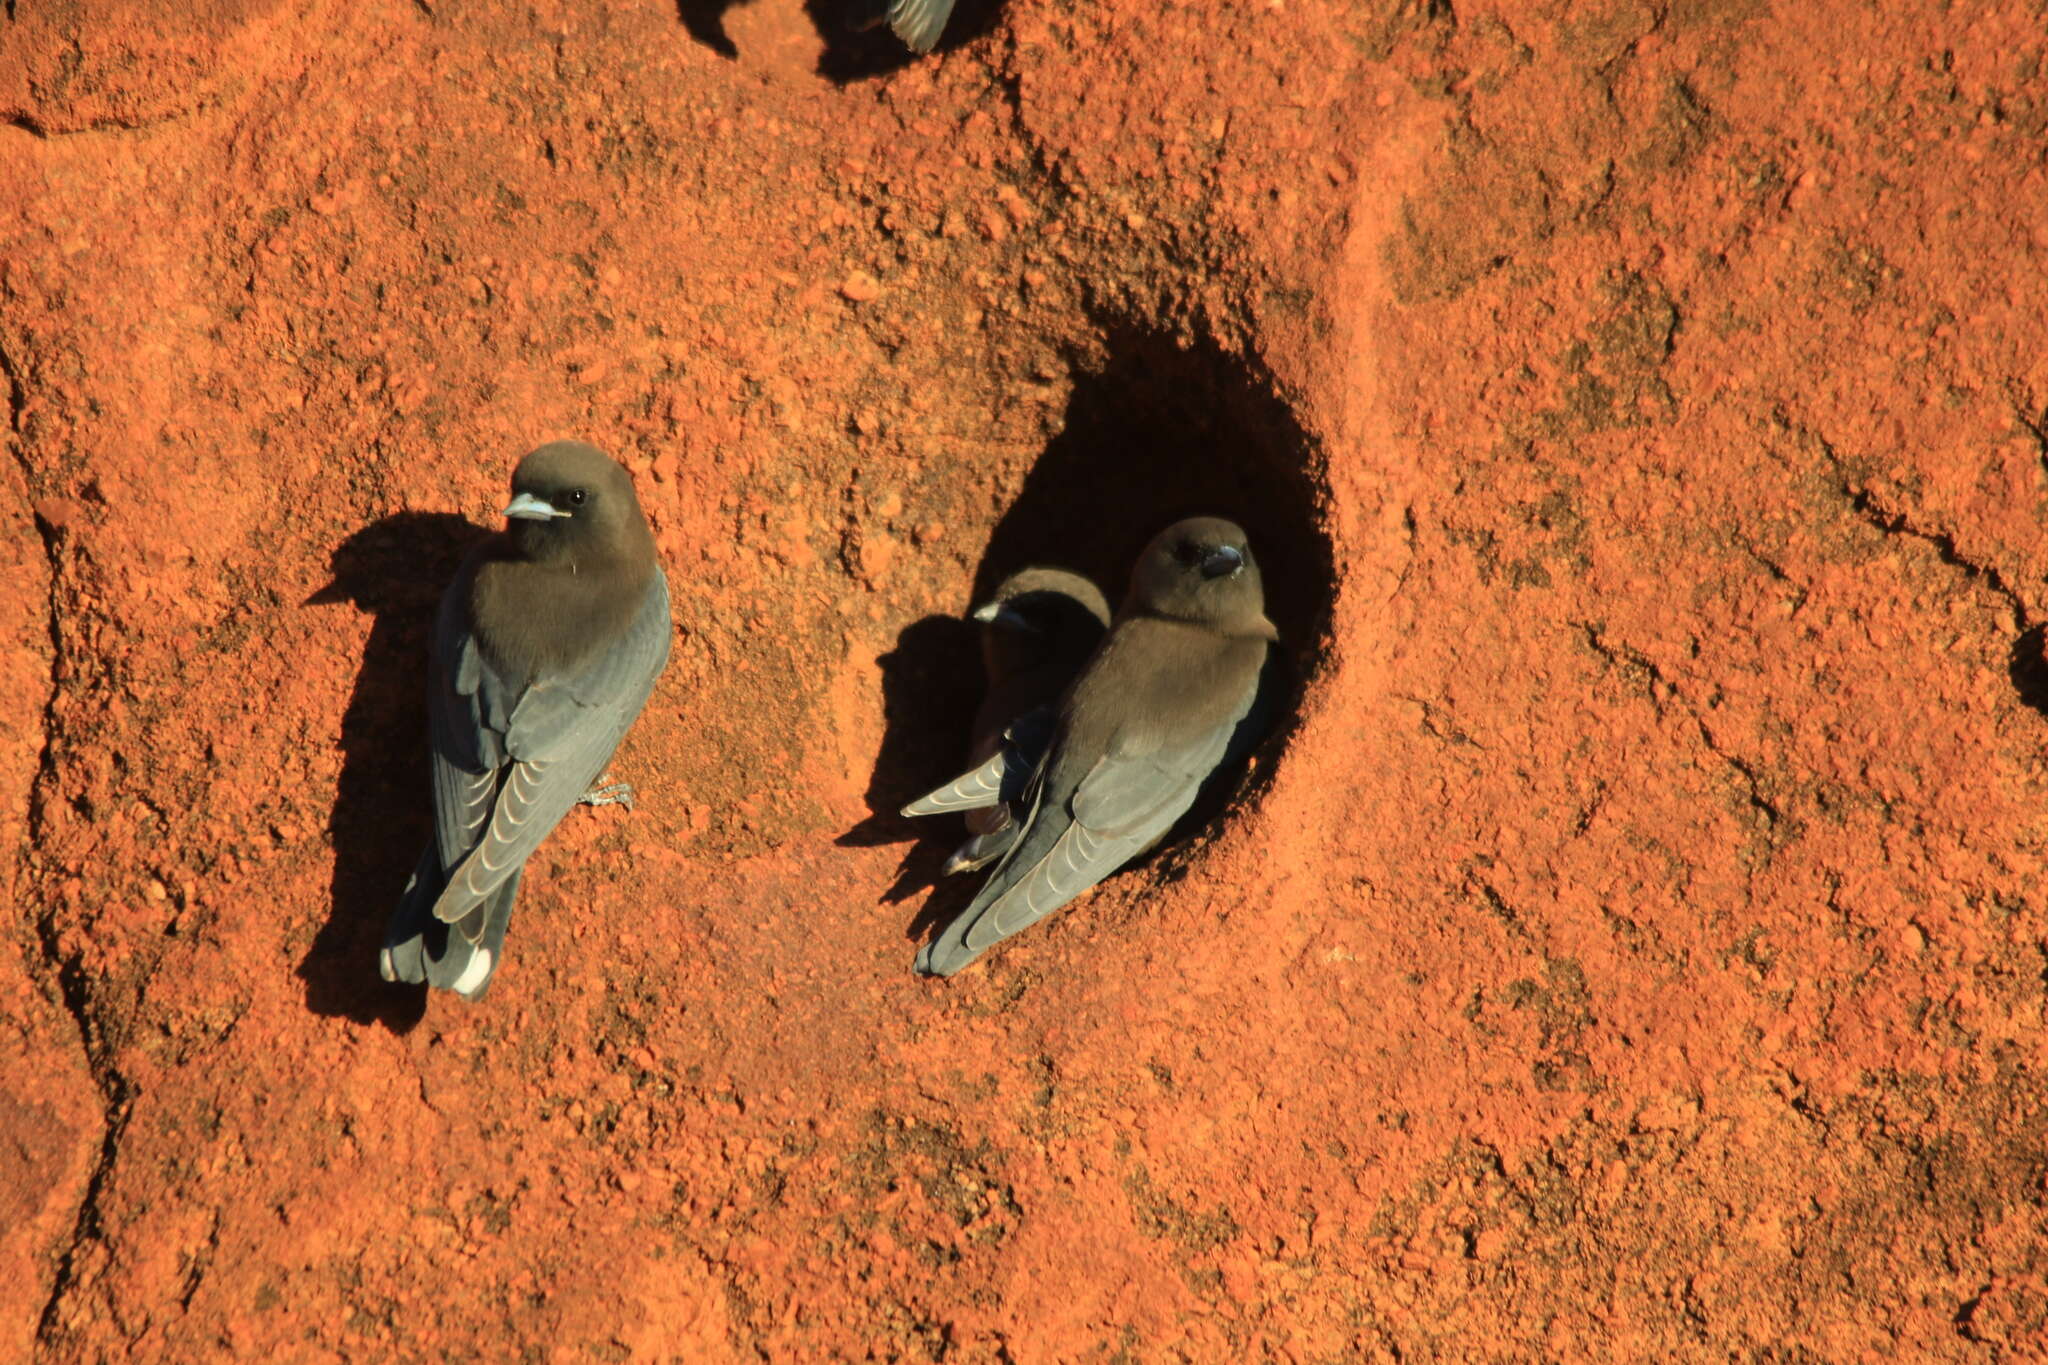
x: 605, y: 793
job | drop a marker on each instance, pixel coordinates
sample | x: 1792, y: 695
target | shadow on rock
x: 394, y: 569
x: 931, y: 683
x: 859, y: 44
x: 704, y: 20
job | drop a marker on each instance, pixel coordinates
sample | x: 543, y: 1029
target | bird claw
x: 609, y: 794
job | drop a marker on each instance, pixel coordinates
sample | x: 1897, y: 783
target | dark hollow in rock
x: 859, y: 44
x: 1160, y: 433
x: 1163, y: 431
x: 2027, y: 666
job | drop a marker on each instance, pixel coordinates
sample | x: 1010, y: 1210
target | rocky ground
x: 1633, y: 948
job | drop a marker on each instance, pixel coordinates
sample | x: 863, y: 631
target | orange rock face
x: 1633, y: 947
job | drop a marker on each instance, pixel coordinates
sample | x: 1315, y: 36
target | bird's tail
x: 948, y: 953
x: 984, y: 848
x: 460, y: 957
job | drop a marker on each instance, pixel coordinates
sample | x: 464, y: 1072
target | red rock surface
x: 1634, y: 950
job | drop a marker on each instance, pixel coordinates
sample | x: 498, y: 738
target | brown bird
x: 1166, y: 701
x: 1037, y: 630
x: 546, y: 647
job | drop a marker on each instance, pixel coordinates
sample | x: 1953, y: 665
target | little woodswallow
x: 1165, y: 701
x: 1036, y: 632
x: 547, y: 645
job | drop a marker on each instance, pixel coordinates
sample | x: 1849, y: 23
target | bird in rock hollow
x: 1169, y: 698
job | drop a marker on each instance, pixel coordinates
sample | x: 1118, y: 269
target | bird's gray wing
x: 559, y: 735
x: 919, y: 22
x: 1121, y: 808
x: 1123, y: 805
x: 466, y: 721
x: 1003, y: 777
x: 995, y: 828
x: 970, y: 791
x: 558, y: 716
x: 467, y: 752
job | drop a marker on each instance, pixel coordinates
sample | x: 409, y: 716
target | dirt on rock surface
x: 1633, y: 947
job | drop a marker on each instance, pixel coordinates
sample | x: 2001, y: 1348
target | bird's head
x: 1201, y: 570
x: 571, y: 501
x: 1041, y: 616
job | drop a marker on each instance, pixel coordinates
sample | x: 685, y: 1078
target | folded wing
x: 552, y: 738
x: 919, y: 22
x: 1003, y: 777
x: 1122, y: 806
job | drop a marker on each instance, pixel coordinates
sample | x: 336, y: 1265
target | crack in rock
x: 58, y: 970
x: 1892, y: 522
x: 1634, y: 662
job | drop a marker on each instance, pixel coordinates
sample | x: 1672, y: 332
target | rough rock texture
x: 1633, y: 949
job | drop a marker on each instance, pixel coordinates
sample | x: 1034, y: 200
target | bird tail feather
x: 463, y: 957
x: 969, y: 791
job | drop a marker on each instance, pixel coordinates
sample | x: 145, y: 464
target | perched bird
x: 919, y: 22
x: 1167, y: 700
x: 545, y: 649
x: 1036, y: 632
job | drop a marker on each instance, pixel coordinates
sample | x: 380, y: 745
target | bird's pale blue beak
x: 1002, y: 614
x: 1224, y: 559
x: 527, y: 507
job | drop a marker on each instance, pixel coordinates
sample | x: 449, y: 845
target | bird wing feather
x: 1125, y: 803
x: 1002, y: 778
x: 467, y: 751
x: 970, y: 791
x: 1122, y: 807
x: 919, y: 22
x: 560, y: 733
x: 1086, y: 818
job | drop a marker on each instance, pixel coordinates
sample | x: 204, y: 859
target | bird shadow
x: 704, y: 20
x: 931, y: 682
x: 1153, y: 432
x: 395, y: 569
x: 858, y: 44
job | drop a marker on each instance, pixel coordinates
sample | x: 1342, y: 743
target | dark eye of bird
x: 575, y: 498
